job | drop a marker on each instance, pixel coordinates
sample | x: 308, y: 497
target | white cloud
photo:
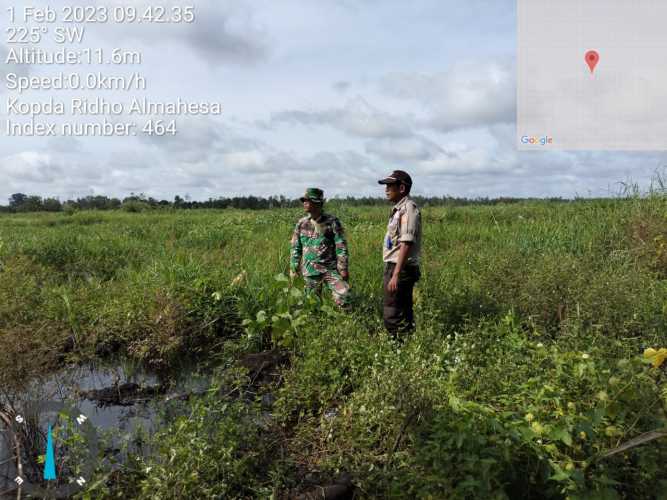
x: 341, y: 86
x: 5, y: 69
x: 358, y: 118
x: 469, y: 94
x: 30, y: 167
x: 228, y: 32
x: 407, y: 149
x: 223, y: 32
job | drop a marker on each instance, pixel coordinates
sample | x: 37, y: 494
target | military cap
x: 313, y: 194
x: 397, y: 177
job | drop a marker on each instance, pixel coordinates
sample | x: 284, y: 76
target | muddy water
x: 76, y: 390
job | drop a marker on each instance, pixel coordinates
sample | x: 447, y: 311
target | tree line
x: 20, y: 202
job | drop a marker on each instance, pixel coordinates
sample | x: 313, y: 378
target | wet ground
x: 115, y: 403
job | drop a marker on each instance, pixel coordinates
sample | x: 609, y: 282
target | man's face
x: 394, y: 192
x: 310, y: 206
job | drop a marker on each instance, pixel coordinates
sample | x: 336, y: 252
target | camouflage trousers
x: 340, y: 289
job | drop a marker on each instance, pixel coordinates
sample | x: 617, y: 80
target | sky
x: 327, y: 93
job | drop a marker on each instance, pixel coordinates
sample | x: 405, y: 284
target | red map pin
x: 592, y: 58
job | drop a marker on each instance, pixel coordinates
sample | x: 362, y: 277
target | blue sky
x: 329, y: 93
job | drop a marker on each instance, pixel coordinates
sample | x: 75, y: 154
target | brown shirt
x: 404, y: 226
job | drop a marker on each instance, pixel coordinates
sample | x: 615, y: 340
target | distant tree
x: 16, y: 200
x: 114, y: 203
x: 52, y: 205
x: 132, y: 197
x: 31, y: 204
x: 19, y: 202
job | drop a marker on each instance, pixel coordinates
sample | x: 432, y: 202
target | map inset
x: 592, y: 74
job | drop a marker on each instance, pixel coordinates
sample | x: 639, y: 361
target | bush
x: 135, y: 206
x: 210, y: 453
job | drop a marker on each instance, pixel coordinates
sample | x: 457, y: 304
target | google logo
x: 542, y: 141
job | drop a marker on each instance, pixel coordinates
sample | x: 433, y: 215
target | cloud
x: 227, y: 162
x: 30, y: 167
x: 337, y: 172
x: 227, y: 32
x: 65, y: 145
x: 5, y: 69
x: 358, y: 118
x: 211, y: 147
x: 468, y: 95
x: 341, y: 86
x: 223, y: 32
x: 407, y: 149
x: 52, y: 174
x: 195, y: 139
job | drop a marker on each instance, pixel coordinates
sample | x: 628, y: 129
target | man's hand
x: 293, y: 275
x: 403, y: 252
x: 345, y: 275
x: 392, y: 286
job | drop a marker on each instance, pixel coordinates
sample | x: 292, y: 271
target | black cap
x: 397, y: 177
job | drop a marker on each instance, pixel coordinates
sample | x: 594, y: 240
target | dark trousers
x: 398, y: 313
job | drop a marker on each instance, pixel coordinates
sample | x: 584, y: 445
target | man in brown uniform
x: 401, y: 249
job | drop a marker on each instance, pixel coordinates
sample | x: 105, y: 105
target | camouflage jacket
x: 318, y: 246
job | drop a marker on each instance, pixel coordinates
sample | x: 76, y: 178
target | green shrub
x: 210, y: 453
x: 134, y: 206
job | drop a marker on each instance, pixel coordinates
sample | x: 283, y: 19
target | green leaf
x: 561, y: 475
x: 561, y: 434
x: 280, y: 277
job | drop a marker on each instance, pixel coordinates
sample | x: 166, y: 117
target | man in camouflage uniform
x: 400, y: 253
x: 319, y: 249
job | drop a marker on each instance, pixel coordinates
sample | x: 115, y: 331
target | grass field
x: 527, y: 366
